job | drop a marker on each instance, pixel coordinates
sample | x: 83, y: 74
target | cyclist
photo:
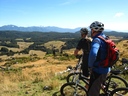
x: 97, y: 53
x: 84, y: 45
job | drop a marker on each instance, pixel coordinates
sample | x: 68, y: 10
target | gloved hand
x: 78, y: 56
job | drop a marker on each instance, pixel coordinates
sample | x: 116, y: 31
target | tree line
x: 9, y: 39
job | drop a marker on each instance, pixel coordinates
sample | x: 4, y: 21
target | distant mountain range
x: 40, y: 29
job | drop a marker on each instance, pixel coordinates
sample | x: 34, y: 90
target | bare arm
x: 76, y: 52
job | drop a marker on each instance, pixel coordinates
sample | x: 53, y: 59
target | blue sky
x: 65, y: 13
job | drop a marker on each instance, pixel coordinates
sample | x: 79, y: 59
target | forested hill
x: 50, y: 35
x: 9, y: 39
x: 36, y: 36
x: 117, y: 34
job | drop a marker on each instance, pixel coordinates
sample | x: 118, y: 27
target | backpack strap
x: 102, y: 38
x: 99, y: 53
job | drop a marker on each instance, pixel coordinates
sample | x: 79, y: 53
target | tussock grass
x: 123, y: 47
x: 24, y: 81
x: 56, y: 44
x: 30, y: 81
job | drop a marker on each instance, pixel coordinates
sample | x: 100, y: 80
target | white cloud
x: 118, y: 26
x: 120, y: 14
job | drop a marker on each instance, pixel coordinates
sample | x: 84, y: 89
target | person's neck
x: 96, y: 34
x: 85, y: 37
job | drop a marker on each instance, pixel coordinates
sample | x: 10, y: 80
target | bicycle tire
x: 82, y: 80
x: 70, y: 76
x: 120, y: 92
x: 116, y: 82
x: 71, y: 89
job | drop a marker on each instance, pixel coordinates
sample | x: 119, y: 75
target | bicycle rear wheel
x: 71, y: 89
x: 120, y: 92
x: 116, y: 82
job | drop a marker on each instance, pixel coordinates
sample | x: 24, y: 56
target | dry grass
x: 8, y: 84
x: 22, y: 46
x: 42, y: 70
x: 123, y: 47
x: 56, y: 44
x: 40, y: 54
x: 115, y: 38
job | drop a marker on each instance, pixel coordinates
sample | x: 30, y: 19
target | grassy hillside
x: 29, y: 74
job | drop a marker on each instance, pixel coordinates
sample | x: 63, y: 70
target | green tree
x: 4, y: 49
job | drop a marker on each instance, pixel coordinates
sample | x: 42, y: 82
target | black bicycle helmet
x: 97, y: 26
x: 84, y: 30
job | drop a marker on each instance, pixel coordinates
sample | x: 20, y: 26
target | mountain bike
x: 112, y: 82
x: 74, y: 80
x: 115, y: 80
x: 114, y: 75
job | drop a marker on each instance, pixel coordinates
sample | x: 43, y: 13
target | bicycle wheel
x: 72, y: 77
x: 71, y: 89
x: 120, y: 92
x: 116, y: 82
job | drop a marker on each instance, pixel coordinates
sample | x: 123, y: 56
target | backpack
x: 112, y: 53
